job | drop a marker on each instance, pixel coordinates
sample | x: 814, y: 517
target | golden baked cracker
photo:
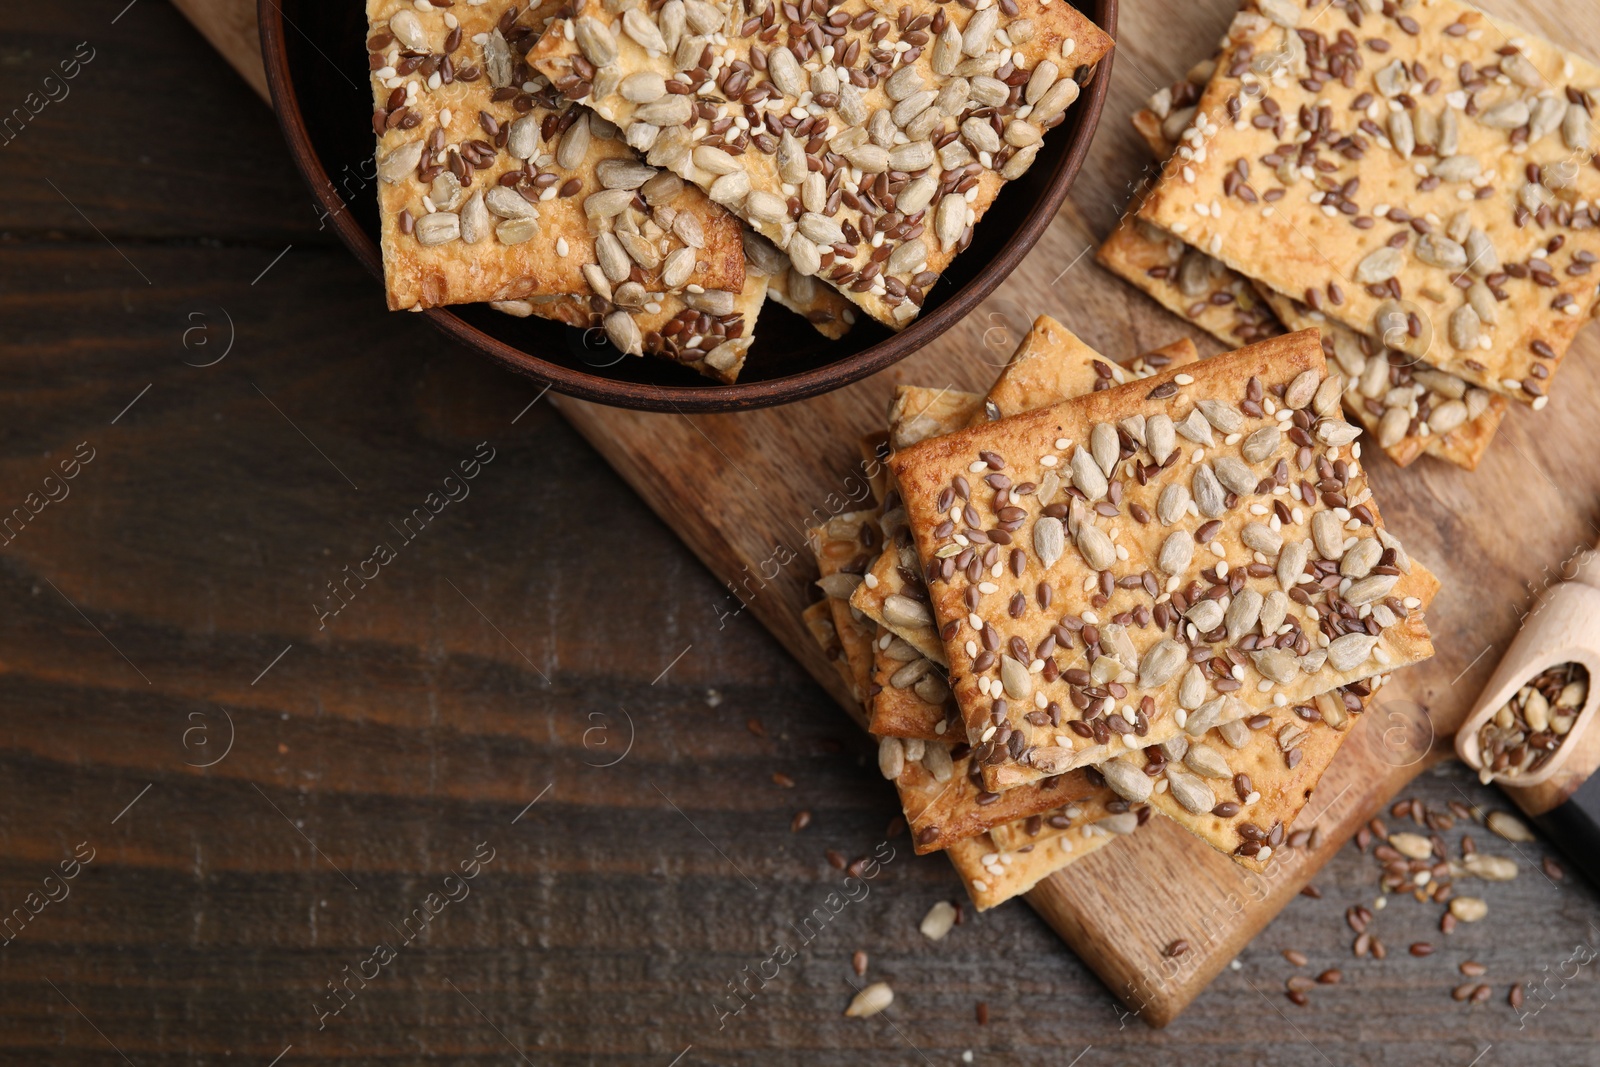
x: 829, y: 313
x: 1052, y: 364
x: 993, y: 876
x: 1460, y: 227
x: 910, y: 697
x: 819, y: 622
x: 1399, y: 400
x: 722, y: 361
x: 844, y: 545
x: 452, y: 233
x: 1239, y: 462
x: 1282, y: 753
x: 1187, y: 282
x: 1169, y: 111
x: 967, y: 94
x: 944, y: 800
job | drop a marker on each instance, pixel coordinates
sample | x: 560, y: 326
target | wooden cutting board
x: 742, y: 489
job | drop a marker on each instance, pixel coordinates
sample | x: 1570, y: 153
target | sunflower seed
x: 762, y: 206
x: 1490, y: 868
x: 1510, y: 827
x: 638, y: 25
x: 1192, y: 689
x: 475, y: 221
x: 1087, y: 474
x: 870, y: 1001
x: 597, y: 280
x: 730, y: 190
x: 1335, y: 433
x: 1370, y: 589
x: 574, y: 144
x: 1278, y: 664
x: 939, y: 921
x: 1285, y: 13
x: 1208, y: 494
x: 1464, y: 328
x: 1358, y: 561
x: 1195, y: 428
x: 1176, y: 552
x: 1127, y: 781
x: 1173, y: 503
x: 1402, y: 133
x: 1575, y: 129
x: 1244, y: 610
x: 1507, y: 115
x: 1096, y: 546
x: 1041, y: 80
x: 1161, y: 663
x: 1259, y: 537
x: 1292, y: 560
x: 916, y: 195
x: 717, y: 302
x: 891, y: 757
x: 785, y: 72
x: 1381, y: 265
x: 1049, y: 540
x: 1016, y: 680
x: 901, y: 610
x: 398, y: 164
x: 670, y: 110
x: 1350, y: 651
x: 1207, y: 761
x: 936, y: 761
x: 1456, y: 168
x: 686, y: 228
x: 1521, y: 70
x: 950, y: 220
x: 624, y: 333
x: 407, y: 28
x: 595, y: 41
x: 437, y: 228
x: 903, y: 82
x: 1189, y: 790
x: 1056, y: 99
x: 980, y: 30
x: 1206, y: 615
x: 1159, y: 437
x: 523, y: 140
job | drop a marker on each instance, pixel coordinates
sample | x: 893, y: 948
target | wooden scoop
x: 1563, y: 796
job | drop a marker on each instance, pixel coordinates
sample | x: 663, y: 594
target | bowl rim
x: 646, y: 396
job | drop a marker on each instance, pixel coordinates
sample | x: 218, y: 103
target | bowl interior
x: 317, y: 85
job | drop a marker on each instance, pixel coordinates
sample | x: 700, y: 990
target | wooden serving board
x: 742, y: 489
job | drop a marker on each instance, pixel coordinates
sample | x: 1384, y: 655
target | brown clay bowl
x: 315, y: 57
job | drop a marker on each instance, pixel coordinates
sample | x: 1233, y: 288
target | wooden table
x: 541, y: 673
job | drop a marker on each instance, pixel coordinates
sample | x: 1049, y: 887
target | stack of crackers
x: 659, y: 168
x: 1106, y: 592
x: 1414, y: 179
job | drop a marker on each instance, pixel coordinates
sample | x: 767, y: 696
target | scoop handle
x: 1584, y: 566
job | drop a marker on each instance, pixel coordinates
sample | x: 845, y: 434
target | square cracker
x: 910, y: 119
x: 483, y: 106
x: 1052, y: 579
x: 1050, y: 365
x: 993, y: 876
x: 1187, y: 282
x: 818, y: 618
x: 1403, y: 405
x: 844, y: 545
x: 910, y: 698
x: 1152, y: 261
x: 1470, y: 134
x: 945, y: 801
x: 717, y: 355
x: 1282, y: 753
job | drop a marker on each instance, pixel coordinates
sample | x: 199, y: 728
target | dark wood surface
x: 505, y: 654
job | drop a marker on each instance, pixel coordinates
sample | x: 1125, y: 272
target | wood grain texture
x: 1452, y: 520
x: 467, y: 678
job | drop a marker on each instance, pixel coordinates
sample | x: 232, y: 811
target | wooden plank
x: 739, y: 488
